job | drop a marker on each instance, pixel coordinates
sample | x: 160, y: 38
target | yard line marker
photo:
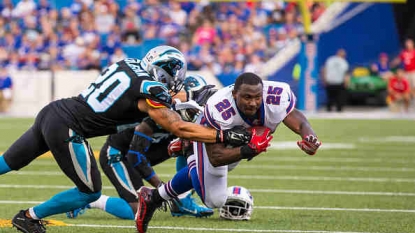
x: 260, y: 177
x: 215, y: 229
x: 308, y: 159
x: 322, y: 192
x: 292, y: 145
x: 332, y: 209
x: 10, y: 202
x: 336, y: 159
x: 308, y: 168
x: 399, y: 139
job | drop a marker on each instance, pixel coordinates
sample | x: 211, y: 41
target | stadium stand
x: 225, y: 38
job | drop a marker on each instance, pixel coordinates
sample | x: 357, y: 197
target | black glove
x: 237, y: 136
x: 202, y: 96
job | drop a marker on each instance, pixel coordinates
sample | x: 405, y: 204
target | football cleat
x: 27, y: 225
x: 146, y: 208
x: 188, y: 206
x: 74, y: 213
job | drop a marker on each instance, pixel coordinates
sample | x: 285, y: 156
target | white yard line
x: 194, y: 229
x: 267, y: 157
x: 309, y: 159
x: 280, y: 167
x: 330, y: 192
x: 332, y: 209
x: 10, y: 202
x: 292, y: 145
x: 289, y: 191
x: 260, y: 177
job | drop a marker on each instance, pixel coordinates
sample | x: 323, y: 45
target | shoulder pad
x: 156, y: 91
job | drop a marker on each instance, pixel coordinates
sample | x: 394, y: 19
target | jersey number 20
x: 107, y: 89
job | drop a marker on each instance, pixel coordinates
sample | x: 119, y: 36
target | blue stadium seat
x: 135, y: 51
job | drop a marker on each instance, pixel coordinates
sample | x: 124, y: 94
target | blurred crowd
x: 221, y: 37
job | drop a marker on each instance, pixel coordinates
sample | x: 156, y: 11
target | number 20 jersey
x: 221, y: 111
x: 109, y: 104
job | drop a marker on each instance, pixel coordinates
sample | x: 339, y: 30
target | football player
x: 124, y: 94
x: 126, y: 164
x: 249, y: 102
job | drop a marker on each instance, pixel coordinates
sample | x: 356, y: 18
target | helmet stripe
x: 236, y: 190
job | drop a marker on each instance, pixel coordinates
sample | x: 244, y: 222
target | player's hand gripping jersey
x: 221, y: 111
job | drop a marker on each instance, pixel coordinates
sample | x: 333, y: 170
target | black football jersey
x: 109, y: 105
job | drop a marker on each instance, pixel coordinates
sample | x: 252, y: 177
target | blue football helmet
x: 194, y: 84
x: 167, y: 65
x: 198, y: 92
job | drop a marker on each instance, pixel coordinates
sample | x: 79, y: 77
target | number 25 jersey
x: 109, y: 104
x: 221, y: 111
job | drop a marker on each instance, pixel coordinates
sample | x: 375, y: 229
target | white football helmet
x: 239, y: 205
x: 167, y: 65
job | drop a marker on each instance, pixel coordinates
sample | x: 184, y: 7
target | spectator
x: 255, y: 64
x: 5, y: 90
x: 399, y: 90
x: 117, y: 56
x: 407, y: 57
x: 130, y: 27
x: 382, y: 67
x: 23, y: 8
x: 205, y: 33
x: 336, y: 79
x: 176, y: 13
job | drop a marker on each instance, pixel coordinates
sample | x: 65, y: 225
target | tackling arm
x: 172, y: 122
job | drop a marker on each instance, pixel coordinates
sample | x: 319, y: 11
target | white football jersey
x: 221, y: 111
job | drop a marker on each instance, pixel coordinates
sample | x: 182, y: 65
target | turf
x: 367, y: 187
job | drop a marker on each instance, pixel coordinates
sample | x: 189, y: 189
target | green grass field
x: 362, y: 180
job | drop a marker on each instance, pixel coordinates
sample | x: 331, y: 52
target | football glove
x: 257, y: 144
x: 175, y: 147
x: 179, y: 147
x: 309, y: 144
x: 237, y: 136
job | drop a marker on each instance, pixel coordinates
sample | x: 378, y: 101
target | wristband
x: 219, y: 136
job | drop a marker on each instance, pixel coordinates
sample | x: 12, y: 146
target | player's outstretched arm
x: 299, y: 124
x: 172, y: 122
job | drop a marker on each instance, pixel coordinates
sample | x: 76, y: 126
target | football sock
x: 179, y: 184
x: 63, y: 202
x: 100, y: 203
x: 119, y: 208
x: 4, y: 167
x: 191, y: 163
x: 180, y: 163
x: 183, y: 195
